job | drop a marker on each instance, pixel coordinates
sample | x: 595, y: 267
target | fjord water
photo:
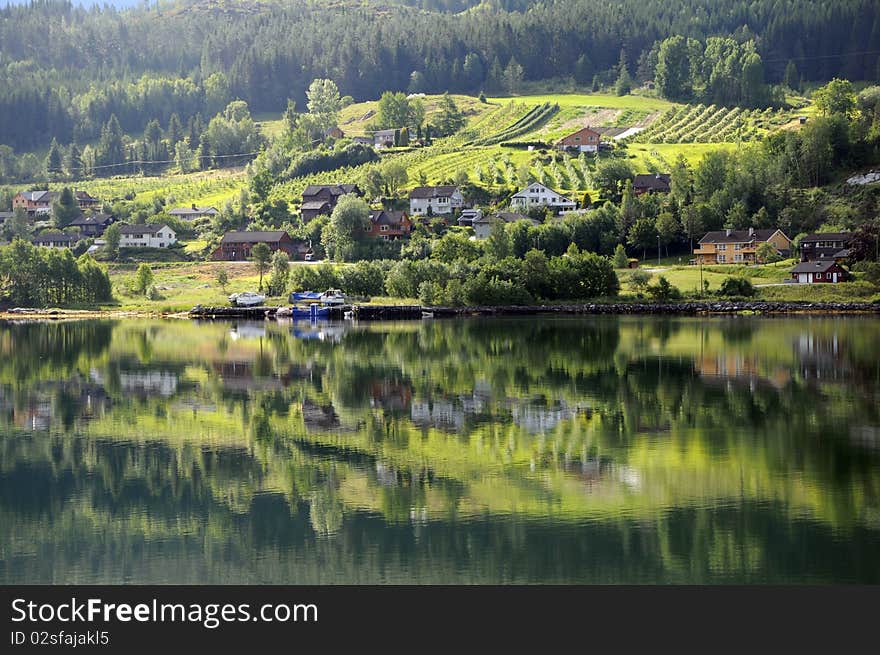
x: 575, y: 450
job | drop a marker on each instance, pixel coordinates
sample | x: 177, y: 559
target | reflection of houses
x: 821, y: 358
x: 442, y: 414
x: 320, y: 417
x: 149, y: 383
x: 536, y: 418
x: 390, y: 394
x: 37, y: 415
x: 733, y: 366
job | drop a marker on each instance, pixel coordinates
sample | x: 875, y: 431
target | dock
x: 416, y: 312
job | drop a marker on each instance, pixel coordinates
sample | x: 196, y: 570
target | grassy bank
x: 184, y: 285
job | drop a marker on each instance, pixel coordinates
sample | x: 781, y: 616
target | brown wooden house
x: 389, y: 225
x: 321, y: 199
x: 237, y: 246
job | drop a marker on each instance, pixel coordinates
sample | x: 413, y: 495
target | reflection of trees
x: 49, y: 351
x: 570, y: 450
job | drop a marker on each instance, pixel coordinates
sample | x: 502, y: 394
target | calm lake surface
x: 540, y: 450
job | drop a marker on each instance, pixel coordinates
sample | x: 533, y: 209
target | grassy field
x: 203, y: 188
x: 184, y: 285
x: 592, y: 100
x: 651, y: 157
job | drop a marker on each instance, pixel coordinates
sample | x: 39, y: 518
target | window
x: 722, y: 246
x: 721, y: 259
x: 737, y: 246
x: 383, y: 228
x: 737, y: 258
x: 818, y: 276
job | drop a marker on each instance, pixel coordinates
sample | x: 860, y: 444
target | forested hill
x: 65, y: 69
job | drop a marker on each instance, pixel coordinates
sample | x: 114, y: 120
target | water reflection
x: 552, y: 450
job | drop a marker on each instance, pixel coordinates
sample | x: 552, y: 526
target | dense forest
x: 66, y: 70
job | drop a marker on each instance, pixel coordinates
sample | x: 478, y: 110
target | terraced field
x: 203, y: 188
x: 711, y: 124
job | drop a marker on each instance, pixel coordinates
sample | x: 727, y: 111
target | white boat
x: 333, y: 297
x: 247, y: 299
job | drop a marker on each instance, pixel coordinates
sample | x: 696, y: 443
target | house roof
x: 184, y: 211
x: 272, y: 236
x: 522, y: 193
x: 84, y: 195
x: 652, y: 182
x: 387, y: 217
x: 583, y: 130
x: 56, y: 236
x: 384, y: 133
x: 334, y: 189
x: 94, y: 219
x: 738, y: 236
x: 827, y: 236
x: 821, y: 266
x: 425, y: 192
x: 507, y: 217
x: 146, y: 228
x: 315, y: 204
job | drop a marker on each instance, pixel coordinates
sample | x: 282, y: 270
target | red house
x: 584, y: 140
x: 816, y: 272
x: 237, y: 246
x: 389, y: 225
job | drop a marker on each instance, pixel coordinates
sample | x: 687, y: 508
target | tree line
x: 135, y: 65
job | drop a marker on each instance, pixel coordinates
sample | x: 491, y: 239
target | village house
x: 92, y: 225
x: 237, y: 246
x: 363, y: 140
x: 40, y: 202
x: 154, y: 235
x: 389, y: 225
x: 443, y: 199
x: 321, y: 199
x: 583, y: 140
x: 538, y: 195
x: 816, y: 272
x: 468, y: 216
x: 739, y: 246
x: 384, y: 138
x: 334, y: 133
x: 193, y: 212
x: 828, y: 245
x: 56, y: 240
x: 483, y: 225
x: 651, y: 183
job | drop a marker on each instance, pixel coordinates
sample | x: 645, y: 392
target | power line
x: 815, y: 57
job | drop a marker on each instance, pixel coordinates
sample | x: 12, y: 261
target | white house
x: 537, y: 195
x: 483, y: 225
x: 440, y: 199
x: 146, y: 236
x: 193, y: 212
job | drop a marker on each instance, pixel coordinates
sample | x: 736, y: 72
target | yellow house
x: 739, y: 246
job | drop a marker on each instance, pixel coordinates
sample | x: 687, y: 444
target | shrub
x: 663, y: 290
x: 430, y: 293
x: 639, y: 280
x: 737, y: 286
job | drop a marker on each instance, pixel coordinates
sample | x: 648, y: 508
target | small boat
x: 427, y: 314
x: 329, y: 297
x: 333, y: 297
x: 299, y: 296
x: 247, y: 299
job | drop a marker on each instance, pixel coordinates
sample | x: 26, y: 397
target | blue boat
x: 311, y: 312
x: 298, y: 296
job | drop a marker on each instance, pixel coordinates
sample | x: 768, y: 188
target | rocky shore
x: 672, y: 309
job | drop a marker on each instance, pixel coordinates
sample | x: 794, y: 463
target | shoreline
x: 412, y: 312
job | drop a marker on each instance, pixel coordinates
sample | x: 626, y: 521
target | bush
x: 430, y: 293
x: 737, y: 286
x: 663, y: 290
x: 639, y: 279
